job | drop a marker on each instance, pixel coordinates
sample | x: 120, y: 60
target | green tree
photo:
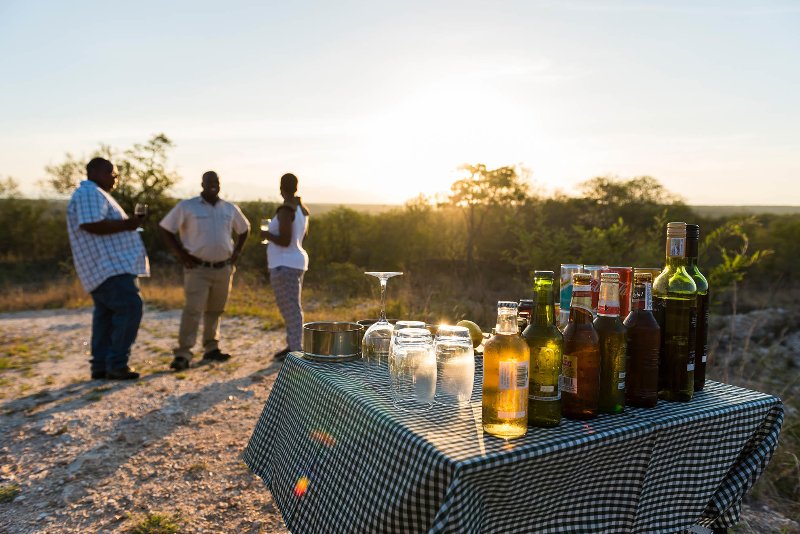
x: 479, y: 191
x: 732, y: 243
x: 144, y: 177
x: 637, y: 199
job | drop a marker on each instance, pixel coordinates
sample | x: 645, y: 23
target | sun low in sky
x: 376, y: 102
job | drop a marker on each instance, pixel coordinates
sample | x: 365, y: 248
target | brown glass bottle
x: 675, y: 309
x: 547, y: 347
x: 611, y: 335
x: 643, y: 337
x: 701, y: 338
x: 580, y: 381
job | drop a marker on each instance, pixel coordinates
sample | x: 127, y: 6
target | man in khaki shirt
x: 198, y: 232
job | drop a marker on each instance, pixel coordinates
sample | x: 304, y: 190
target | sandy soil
x: 92, y: 455
x: 99, y: 456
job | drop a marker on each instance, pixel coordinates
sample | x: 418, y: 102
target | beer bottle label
x: 513, y: 375
x: 582, y: 298
x: 541, y: 386
x: 514, y: 382
x: 569, y: 378
x: 545, y: 393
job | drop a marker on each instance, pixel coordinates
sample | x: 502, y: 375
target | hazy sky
x: 376, y: 102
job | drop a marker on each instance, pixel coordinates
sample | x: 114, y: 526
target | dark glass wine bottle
x: 643, y: 337
x: 580, y: 368
x: 547, y: 345
x: 611, y: 334
x: 675, y: 309
x: 701, y: 339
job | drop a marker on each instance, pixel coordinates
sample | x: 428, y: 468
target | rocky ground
x: 90, y: 456
x: 80, y: 455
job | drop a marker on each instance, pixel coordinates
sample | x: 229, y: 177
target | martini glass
x: 378, y: 336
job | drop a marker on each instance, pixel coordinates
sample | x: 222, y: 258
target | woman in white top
x: 287, y: 261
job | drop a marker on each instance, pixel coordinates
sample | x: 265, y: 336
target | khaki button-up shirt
x: 205, y: 230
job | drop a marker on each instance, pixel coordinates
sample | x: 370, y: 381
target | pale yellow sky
x: 376, y: 104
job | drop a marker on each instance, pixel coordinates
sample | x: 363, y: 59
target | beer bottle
x: 701, y: 339
x: 506, y: 359
x: 675, y: 309
x: 580, y: 367
x: 643, y: 338
x: 611, y: 334
x: 546, y: 344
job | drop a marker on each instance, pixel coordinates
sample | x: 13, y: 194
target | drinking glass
x: 265, y: 228
x: 140, y: 210
x: 377, y: 338
x: 412, y: 369
x: 455, y: 365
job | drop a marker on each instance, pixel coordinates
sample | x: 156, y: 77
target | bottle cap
x: 609, y: 277
x: 583, y: 279
x: 693, y: 231
x: 506, y: 304
x: 549, y: 275
x: 641, y: 278
x: 676, y: 229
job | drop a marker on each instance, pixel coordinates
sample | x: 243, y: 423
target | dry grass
x: 53, y: 295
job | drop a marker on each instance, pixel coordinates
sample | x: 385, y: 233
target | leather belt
x: 215, y: 265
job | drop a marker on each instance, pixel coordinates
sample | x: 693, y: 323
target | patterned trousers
x: 287, y: 284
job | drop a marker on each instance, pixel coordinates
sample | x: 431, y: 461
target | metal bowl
x: 332, y: 341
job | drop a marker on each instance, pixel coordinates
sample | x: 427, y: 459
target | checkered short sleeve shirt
x: 99, y: 257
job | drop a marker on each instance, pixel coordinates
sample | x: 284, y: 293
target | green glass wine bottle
x: 675, y: 309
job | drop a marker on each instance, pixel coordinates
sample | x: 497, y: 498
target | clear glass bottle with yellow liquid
x: 506, y: 361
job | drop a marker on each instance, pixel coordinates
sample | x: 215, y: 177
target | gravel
x: 92, y: 455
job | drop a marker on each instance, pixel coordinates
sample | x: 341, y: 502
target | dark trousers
x: 115, y: 322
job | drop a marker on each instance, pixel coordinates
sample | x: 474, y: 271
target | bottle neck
x: 580, y: 308
x: 608, y: 304
x: 544, y: 310
x: 642, y: 297
x: 506, y: 322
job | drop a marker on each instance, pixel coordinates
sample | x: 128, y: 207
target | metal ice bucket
x: 332, y: 340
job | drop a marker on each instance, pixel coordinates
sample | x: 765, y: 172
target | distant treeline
x: 616, y: 222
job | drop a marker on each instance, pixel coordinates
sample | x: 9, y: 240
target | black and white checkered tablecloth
x: 339, y: 457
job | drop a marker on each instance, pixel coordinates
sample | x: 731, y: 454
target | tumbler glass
x: 455, y: 365
x: 412, y: 369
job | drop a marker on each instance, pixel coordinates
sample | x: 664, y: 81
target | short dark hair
x: 210, y: 174
x: 98, y: 164
x: 289, y: 182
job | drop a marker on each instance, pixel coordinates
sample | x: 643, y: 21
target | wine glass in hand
x: 264, y: 228
x: 140, y: 211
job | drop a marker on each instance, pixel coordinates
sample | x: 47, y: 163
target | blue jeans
x: 115, y: 322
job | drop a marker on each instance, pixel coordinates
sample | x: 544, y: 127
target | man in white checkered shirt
x: 109, y: 257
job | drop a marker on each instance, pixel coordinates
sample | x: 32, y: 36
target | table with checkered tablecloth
x: 338, y: 456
